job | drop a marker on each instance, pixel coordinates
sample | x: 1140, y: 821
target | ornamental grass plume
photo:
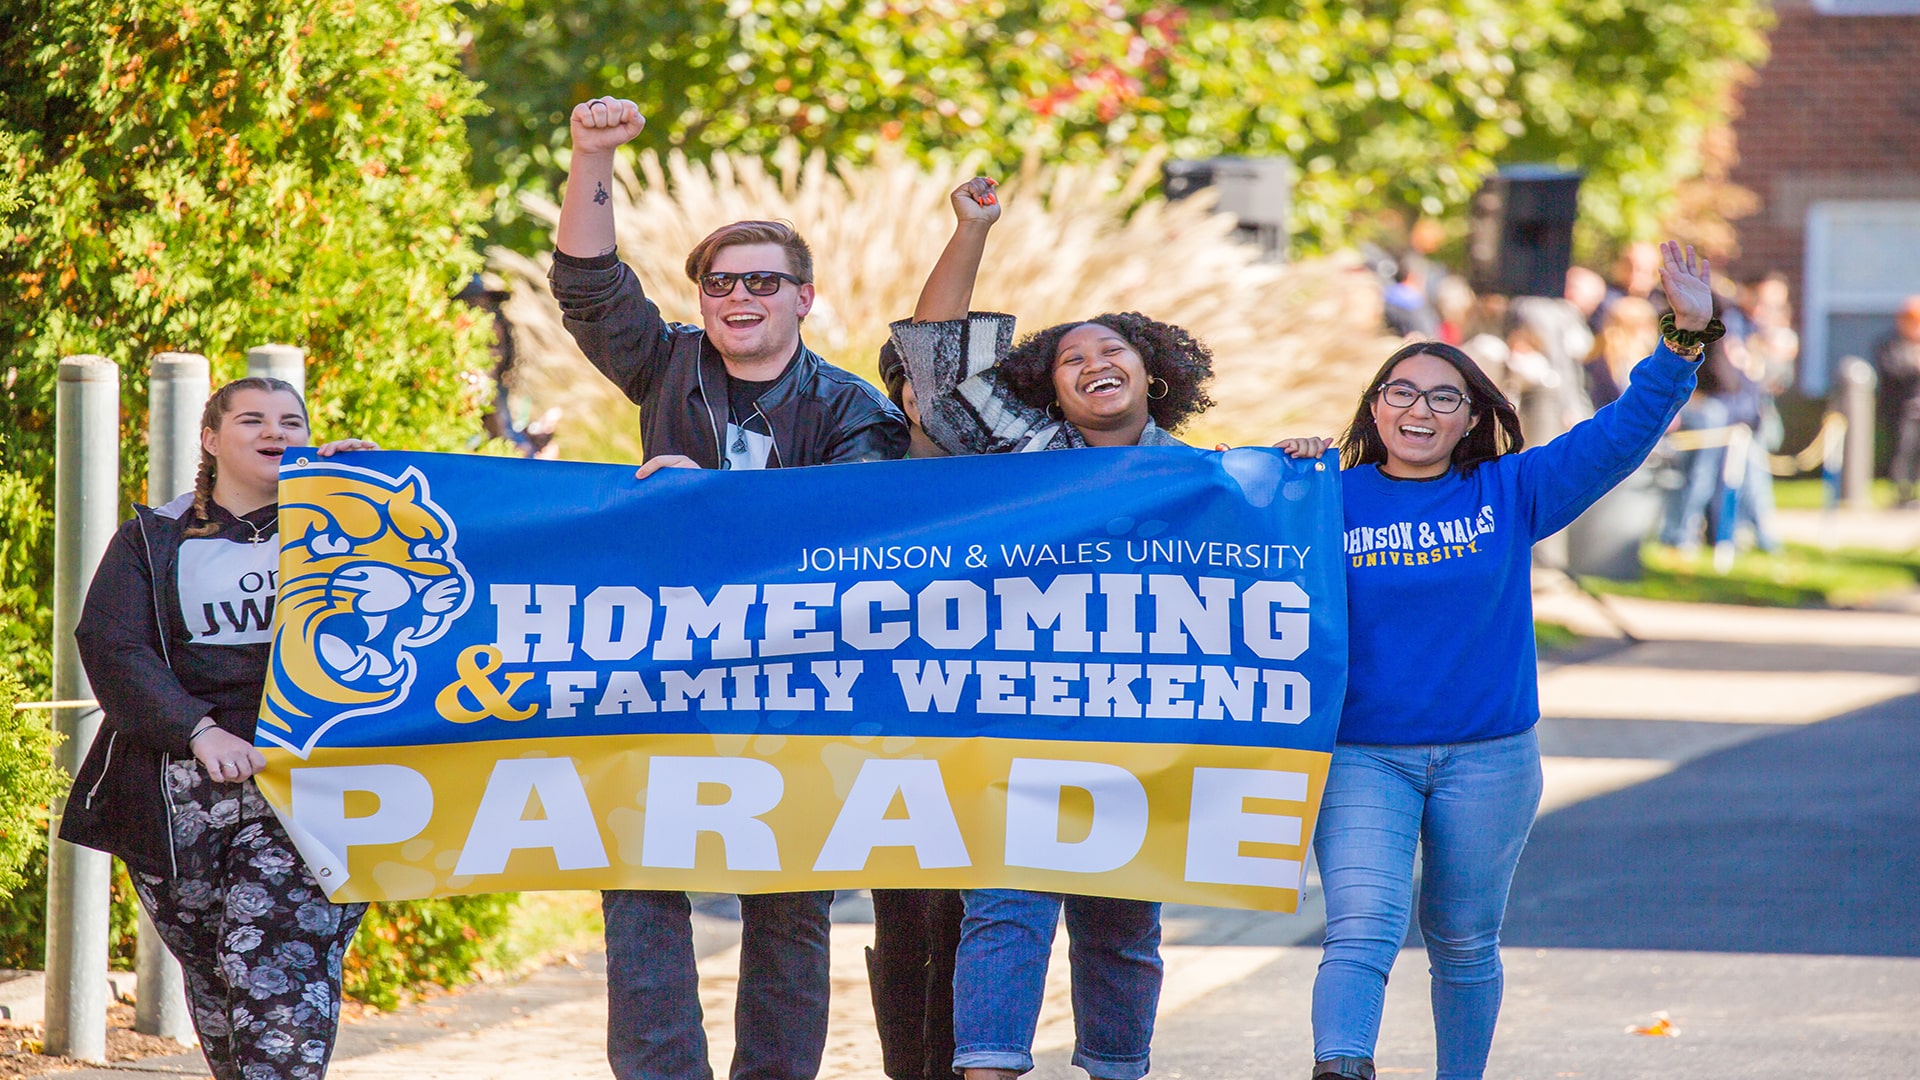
x: 1292, y: 344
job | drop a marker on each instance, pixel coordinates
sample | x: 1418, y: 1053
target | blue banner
x: 496, y: 674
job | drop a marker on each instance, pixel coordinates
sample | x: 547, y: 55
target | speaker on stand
x: 1520, y: 239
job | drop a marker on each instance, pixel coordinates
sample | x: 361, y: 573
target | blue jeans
x: 1000, y: 977
x: 653, y: 988
x: 1469, y: 807
x: 1700, y: 470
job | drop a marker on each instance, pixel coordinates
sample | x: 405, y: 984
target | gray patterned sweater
x: 965, y: 405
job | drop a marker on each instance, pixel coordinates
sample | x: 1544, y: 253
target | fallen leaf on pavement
x: 1661, y: 1027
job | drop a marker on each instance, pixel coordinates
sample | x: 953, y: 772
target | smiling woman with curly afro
x: 1178, y: 366
x: 1120, y: 379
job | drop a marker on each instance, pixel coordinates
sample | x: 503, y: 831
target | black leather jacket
x: 818, y: 414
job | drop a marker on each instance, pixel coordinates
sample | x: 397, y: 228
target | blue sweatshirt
x: 1440, y: 571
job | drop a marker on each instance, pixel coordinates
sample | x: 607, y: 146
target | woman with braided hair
x: 174, y: 637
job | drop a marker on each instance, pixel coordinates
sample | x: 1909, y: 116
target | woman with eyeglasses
x: 1436, y: 748
x: 1115, y: 380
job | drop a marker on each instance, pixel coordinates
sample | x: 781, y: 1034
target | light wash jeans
x: 653, y: 989
x: 1687, y: 506
x: 1000, y: 976
x: 1469, y: 807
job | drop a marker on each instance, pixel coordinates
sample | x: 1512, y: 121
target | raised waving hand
x: 1688, y: 281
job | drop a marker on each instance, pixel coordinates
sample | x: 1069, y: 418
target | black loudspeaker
x: 1521, y: 239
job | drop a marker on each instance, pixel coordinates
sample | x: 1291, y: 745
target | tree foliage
x: 207, y: 175
x: 1390, y: 105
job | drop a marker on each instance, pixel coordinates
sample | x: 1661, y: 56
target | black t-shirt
x: 749, y: 436
x: 742, y: 395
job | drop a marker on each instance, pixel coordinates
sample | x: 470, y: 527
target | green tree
x: 1629, y: 91
x: 1383, y: 106
x: 207, y: 175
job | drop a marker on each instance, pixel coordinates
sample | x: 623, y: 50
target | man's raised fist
x: 604, y: 123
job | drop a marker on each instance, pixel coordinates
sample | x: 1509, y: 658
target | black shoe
x: 1347, y: 1068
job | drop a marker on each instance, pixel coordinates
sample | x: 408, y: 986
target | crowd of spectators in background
x: 1897, y: 362
x: 1562, y: 358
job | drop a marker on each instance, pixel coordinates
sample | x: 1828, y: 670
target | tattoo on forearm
x: 600, y: 196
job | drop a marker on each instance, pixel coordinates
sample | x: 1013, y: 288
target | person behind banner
x: 916, y: 932
x: 1437, y: 749
x: 741, y: 391
x: 174, y: 637
x: 1116, y: 380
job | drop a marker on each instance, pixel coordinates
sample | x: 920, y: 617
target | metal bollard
x: 1854, y: 387
x: 177, y: 388
x: 285, y: 362
x: 86, y: 512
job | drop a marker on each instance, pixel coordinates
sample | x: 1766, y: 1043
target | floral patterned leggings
x: 258, y: 940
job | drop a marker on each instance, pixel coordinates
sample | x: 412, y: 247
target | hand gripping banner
x: 1114, y: 672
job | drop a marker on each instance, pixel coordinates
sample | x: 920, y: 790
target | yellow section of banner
x: 1219, y: 825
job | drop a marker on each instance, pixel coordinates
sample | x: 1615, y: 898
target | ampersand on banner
x: 474, y: 666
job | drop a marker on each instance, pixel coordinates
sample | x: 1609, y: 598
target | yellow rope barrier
x: 1832, y: 429
x: 77, y: 703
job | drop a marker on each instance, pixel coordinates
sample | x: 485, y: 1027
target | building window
x: 1867, y: 7
x: 1863, y: 261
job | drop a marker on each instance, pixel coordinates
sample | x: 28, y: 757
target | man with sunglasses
x: 739, y: 392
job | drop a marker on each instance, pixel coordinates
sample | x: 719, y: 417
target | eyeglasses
x: 1441, y: 399
x: 758, y: 282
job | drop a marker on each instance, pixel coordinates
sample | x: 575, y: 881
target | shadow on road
x: 1807, y: 841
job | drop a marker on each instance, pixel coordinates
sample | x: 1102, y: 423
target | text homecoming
x: 997, y: 624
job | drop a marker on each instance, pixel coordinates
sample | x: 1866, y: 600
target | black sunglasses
x: 758, y: 282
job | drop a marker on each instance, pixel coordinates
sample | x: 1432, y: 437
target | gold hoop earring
x: 1165, y: 388
x: 1053, y: 412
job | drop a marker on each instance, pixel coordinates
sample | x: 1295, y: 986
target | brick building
x: 1829, y: 138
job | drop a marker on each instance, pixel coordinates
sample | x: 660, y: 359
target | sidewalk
x: 1882, y: 529
x: 1730, y: 836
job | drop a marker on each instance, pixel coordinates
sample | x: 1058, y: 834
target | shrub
x: 207, y: 175
x: 29, y: 780
x: 444, y: 942
x: 23, y: 919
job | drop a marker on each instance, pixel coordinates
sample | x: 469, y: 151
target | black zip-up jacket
x: 817, y: 413
x: 155, y: 675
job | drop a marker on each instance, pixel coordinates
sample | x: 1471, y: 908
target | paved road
x: 1731, y: 838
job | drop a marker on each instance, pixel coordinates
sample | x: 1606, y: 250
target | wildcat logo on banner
x: 1114, y: 672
